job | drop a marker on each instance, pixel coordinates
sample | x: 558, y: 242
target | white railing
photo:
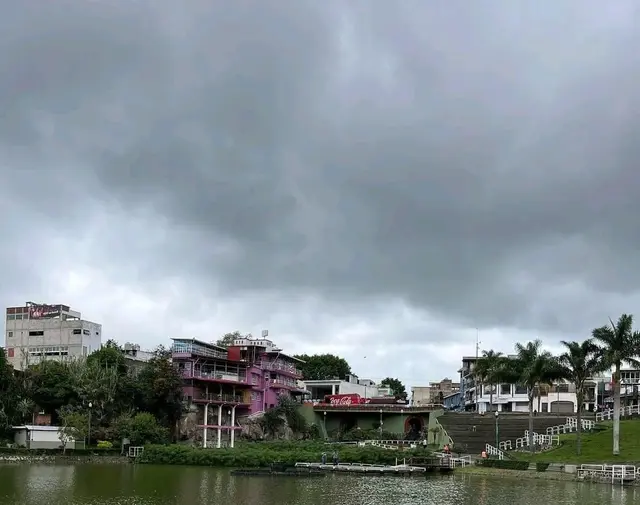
x: 493, y: 451
x: 624, y: 411
x: 506, y: 445
x: 609, y: 473
x: 543, y: 440
x: 570, y: 426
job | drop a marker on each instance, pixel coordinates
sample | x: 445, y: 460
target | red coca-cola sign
x: 352, y: 399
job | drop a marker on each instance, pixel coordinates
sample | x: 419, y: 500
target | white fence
x: 542, y: 440
x: 494, y: 451
x: 607, y: 415
x: 571, y: 426
x: 609, y: 473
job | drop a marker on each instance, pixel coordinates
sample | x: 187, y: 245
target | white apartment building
x: 318, y: 389
x: 560, y: 397
x: 35, y: 332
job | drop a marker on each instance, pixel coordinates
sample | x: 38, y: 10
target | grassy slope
x: 596, y: 447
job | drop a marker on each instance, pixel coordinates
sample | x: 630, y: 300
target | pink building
x: 224, y: 384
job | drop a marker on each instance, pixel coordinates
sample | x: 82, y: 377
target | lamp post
x: 324, y: 423
x: 89, y: 428
x: 402, y: 421
x: 381, y: 423
x: 497, y: 431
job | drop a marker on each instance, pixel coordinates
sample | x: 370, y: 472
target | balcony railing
x: 215, y: 375
x: 277, y: 365
x: 284, y: 382
x: 221, y: 398
x: 199, y: 350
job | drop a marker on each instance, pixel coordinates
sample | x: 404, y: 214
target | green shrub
x: 505, y: 464
x: 104, y: 444
x: 542, y: 467
x: 107, y: 451
x: 261, y: 454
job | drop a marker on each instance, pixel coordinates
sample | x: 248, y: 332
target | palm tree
x: 619, y: 344
x: 532, y: 367
x: 580, y: 362
x: 488, y: 368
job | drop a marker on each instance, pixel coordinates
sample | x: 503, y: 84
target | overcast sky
x: 372, y: 179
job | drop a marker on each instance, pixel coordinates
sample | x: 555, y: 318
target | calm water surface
x: 169, y: 485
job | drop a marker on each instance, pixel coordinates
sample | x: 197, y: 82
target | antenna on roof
x: 265, y: 333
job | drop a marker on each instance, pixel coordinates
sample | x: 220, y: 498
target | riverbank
x: 263, y: 454
x: 516, y: 474
x: 6, y: 458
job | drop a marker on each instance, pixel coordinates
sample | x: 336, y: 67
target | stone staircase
x: 471, y: 432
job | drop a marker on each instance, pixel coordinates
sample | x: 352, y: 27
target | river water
x: 88, y: 484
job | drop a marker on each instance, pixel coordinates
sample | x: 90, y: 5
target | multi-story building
x: 435, y: 392
x: 560, y: 397
x: 316, y: 390
x: 226, y: 383
x: 36, y: 332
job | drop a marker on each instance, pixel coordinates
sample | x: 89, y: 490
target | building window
x: 545, y: 407
x: 11, y: 317
x: 77, y: 332
x: 36, y: 333
x: 86, y: 332
x: 9, y: 334
x: 562, y: 388
x: 521, y: 390
x: 505, y: 389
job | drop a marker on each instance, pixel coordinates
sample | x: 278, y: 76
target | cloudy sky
x: 373, y: 179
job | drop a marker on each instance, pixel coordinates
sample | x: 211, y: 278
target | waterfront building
x: 224, y: 384
x: 435, y: 392
x: 35, y: 332
x: 558, y: 398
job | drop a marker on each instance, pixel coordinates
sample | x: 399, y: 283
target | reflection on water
x: 172, y: 485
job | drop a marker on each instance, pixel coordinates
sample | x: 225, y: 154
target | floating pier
x: 358, y: 468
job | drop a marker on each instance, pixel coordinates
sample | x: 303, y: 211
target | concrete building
x: 43, y: 437
x: 244, y: 379
x: 558, y: 398
x: 316, y: 390
x: 435, y: 392
x: 36, y: 332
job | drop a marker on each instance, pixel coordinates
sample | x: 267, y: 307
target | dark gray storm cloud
x: 478, y: 161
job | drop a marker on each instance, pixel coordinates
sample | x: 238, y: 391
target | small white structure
x: 42, y: 437
x: 318, y: 389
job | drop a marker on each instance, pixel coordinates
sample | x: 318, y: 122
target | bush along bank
x: 258, y: 455
x: 506, y: 464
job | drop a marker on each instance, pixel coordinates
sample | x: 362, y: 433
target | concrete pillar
x: 233, y: 424
x: 206, y: 421
x: 333, y: 389
x: 219, y: 426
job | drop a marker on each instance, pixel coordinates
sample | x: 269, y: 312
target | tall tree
x: 580, y: 362
x: 228, y: 338
x: 161, y: 386
x: 619, y: 344
x: 396, y: 386
x: 9, y: 395
x: 51, y: 386
x: 532, y: 367
x: 323, y: 366
x: 489, y: 370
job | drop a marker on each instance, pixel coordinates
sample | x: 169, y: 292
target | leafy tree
x: 580, y: 362
x: 323, y: 366
x: 228, y: 338
x: 109, y: 355
x: 141, y: 429
x: 9, y: 395
x: 51, y: 386
x: 488, y: 370
x: 287, y: 411
x: 619, y: 344
x: 160, y: 386
x: 531, y: 367
x: 74, y: 425
x: 396, y: 386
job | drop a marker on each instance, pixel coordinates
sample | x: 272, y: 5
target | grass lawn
x: 596, y: 447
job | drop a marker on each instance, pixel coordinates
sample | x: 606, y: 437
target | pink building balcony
x: 222, y: 399
x: 282, y: 367
x: 223, y: 376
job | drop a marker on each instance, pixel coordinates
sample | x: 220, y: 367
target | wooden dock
x: 364, y: 469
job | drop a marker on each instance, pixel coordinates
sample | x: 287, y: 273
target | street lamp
x: 497, y: 431
x: 402, y: 421
x: 89, y: 430
x: 325, y: 425
x: 381, y: 423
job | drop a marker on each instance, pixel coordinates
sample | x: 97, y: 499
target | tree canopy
x: 323, y: 366
x: 396, y: 386
x: 228, y: 338
x: 102, y: 386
